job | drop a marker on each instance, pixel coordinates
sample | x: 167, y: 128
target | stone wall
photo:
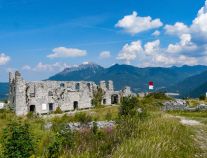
x: 44, y: 97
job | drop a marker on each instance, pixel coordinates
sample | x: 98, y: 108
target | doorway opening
x: 114, y: 99
x: 32, y: 108
x: 50, y: 107
x: 75, y: 105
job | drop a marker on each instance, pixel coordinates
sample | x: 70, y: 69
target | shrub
x: 97, y: 97
x: 17, y: 140
x: 6, y: 114
x: 108, y: 116
x: 157, y: 95
x: 129, y: 106
x: 58, y: 110
x: 83, y: 118
x: 63, y: 142
x: 202, y: 97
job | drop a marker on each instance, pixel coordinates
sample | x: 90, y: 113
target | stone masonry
x: 43, y: 97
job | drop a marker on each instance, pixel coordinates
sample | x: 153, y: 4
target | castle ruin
x: 43, y: 97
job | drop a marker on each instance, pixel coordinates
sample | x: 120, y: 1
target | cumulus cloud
x: 185, y: 45
x: 105, y: 54
x: 152, y: 47
x: 191, y: 49
x: 63, y: 52
x: 197, y: 29
x: 4, y: 59
x: 134, y: 24
x: 130, y: 51
x: 151, y: 54
x: 41, y: 67
x: 192, y: 45
x: 156, y: 33
x: 178, y: 28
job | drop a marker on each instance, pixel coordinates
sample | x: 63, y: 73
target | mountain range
x: 3, y: 90
x: 187, y: 80
x: 174, y: 79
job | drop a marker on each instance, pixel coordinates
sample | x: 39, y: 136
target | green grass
x: 195, y: 102
x: 156, y: 136
x: 160, y: 137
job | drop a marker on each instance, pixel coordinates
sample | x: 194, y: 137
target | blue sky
x: 42, y: 37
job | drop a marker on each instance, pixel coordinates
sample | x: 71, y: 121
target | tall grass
x: 152, y: 135
x: 159, y: 137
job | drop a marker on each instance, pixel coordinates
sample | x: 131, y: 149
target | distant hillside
x: 135, y: 77
x: 3, y: 90
x: 193, y: 86
x: 200, y: 90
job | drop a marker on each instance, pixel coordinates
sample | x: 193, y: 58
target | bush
x: 63, y: 142
x: 58, y: 110
x: 17, y: 140
x: 97, y: 97
x: 202, y: 97
x: 83, y: 118
x: 108, y: 116
x: 157, y: 95
x: 129, y: 106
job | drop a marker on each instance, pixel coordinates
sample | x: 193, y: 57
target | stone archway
x: 115, y: 99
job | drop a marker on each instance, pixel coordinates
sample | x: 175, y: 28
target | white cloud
x: 177, y: 29
x: 134, y: 24
x: 63, y: 52
x: 151, y: 54
x: 41, y: 67
x: 199, y: 25
x: 152, y: 47
x: 130, y: 51
x: 105, y: 54
x: 26, y: 67
x: 156, y: 33
x: 191, y: 49
x: 185, y: 45
x: 197, y: 29
x: 4, y: 59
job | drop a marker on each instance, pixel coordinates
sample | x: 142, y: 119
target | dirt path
x: 200, y: 134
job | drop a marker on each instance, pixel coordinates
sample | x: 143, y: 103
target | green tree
x: 17, y: 140
x: 130, y: 106
x: 97, y: 97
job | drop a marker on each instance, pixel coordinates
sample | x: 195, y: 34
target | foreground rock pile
x: 79, y: 126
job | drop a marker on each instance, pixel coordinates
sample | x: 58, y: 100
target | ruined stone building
x: 43, y: 97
